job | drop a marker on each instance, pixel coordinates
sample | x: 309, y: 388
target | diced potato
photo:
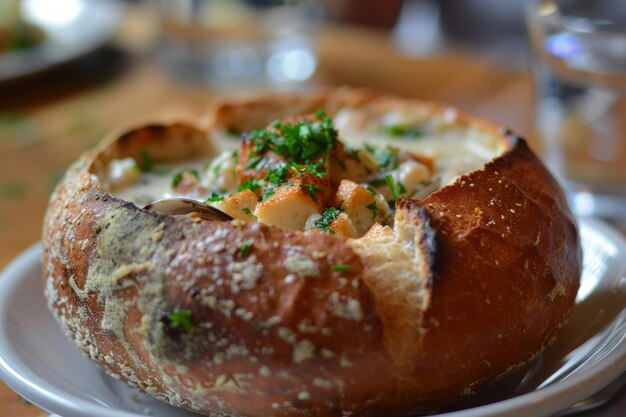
x: 239, y: 205
x: 123, y: 172
x: 290, y: 206
x: 319, y: 186
x: 362, y: 207
x: 343, y: 226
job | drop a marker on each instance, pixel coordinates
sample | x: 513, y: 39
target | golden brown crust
x: 470, y: 283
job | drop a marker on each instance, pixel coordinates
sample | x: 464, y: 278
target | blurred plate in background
x: 71, y: 29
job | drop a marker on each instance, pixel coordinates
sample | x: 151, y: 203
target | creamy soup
x: 337, y: 176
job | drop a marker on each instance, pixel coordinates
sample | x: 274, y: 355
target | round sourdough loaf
x: 468, y: 284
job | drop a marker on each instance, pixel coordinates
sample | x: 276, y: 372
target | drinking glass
x: 239, y: 44
x: 579, y: 69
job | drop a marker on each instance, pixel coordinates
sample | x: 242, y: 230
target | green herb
x: 378, y: 182
x: 267, y: 193
x: 244, y: 249
x: 277, y: 176
x: 217, y: 168
x: 371, y: 191
x: 182, y: 319
x: 253, y: 162
x: 146, y: 161
x: 179, y: 176
x: 372, y: 207
x: 328, y: 216
x: 394, y: 130
x: 300, y: 142
x: 233, y: 131
x: 316, y: 168
x: 311, y: 189
x: 249, y: 184
x: 392, y: 186
x: 397, y: 130
x: 341, y: 267
x: 401, y: 188
x: 341, y: 163
x: 414, y: 132
x: 214, y: 197
x: 386, y: 158
x: 248, y: 211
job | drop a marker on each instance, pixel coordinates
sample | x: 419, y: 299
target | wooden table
x: 45, y: 123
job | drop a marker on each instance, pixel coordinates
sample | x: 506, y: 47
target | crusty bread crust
x: 470, y: 283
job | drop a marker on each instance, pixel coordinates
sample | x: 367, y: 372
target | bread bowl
x: 467, y: 275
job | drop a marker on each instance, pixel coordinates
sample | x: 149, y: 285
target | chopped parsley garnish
x: 217, y: 168
x: 311, y: 189
x: 372, y: 207
x: 328, y: 216
x: 341, y: 267
x: 378, y: 181
x: 244, y: 249
x: 254, y: 162
x: 267, y: 193
x: 214, y: 197
x: 387, y: 158
x: 249, y: 184
x: 341, y: 163
x: 146, y: 161
x: 300, y: 142
x: 181, y: 319
x: 397, y: 131
x: 179, y: 176
x: 305, y: 147
x: 392, y: 186
x: 277, y: 176
x: 394, y: 130
x: 248, y: 211
x: 316, y: 168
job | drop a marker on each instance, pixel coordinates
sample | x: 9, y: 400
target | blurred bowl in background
x: 239, y: 44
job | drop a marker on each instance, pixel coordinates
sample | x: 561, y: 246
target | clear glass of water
x: 579, y: 69
x: 239, y: 44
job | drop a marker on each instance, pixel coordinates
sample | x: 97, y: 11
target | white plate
x: 72, y: 28
x: 42, y: 365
